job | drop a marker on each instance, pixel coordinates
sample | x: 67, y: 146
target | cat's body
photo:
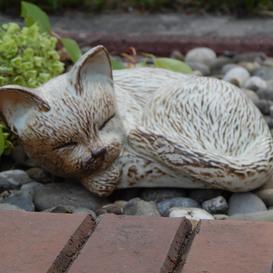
x: 137, y: 87
x: 146, y: 128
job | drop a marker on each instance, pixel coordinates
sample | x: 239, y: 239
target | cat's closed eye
x: 69, y: 144
x: 103, y: 125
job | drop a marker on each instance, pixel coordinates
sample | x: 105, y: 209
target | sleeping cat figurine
x: 141, y: 127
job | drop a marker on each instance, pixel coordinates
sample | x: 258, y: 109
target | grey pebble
x: 220, y: 216
x: 215, y: 205
x: 255, y: 83
x: 66, y: 194
x: 31, y: 187
x: 184, y: 202
x: 237, y: 76
x: 202, y: 55
x: 250, y: 67
x: 6, y: 206
x: 176, y: 54
x: 228, y: 67
x: 241, y: 203
x: 203, y: 68
x: 258, y: 57
x: 19, y: 199
x: 265, y: 73
x: 110, y: 208
x: 137, y: 206
x: 13, y: 179
x: 265, y: 94
x: 254, y: 216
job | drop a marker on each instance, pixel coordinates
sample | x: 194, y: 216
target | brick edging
x: 164, y: 44
x: 72, y: 248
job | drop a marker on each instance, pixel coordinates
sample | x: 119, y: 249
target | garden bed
x: 33, y: 189
x: 243, y: 62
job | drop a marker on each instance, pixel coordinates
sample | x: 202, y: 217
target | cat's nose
x: 98, y: 153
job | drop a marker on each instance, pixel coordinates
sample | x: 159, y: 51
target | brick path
x: 55, y: 243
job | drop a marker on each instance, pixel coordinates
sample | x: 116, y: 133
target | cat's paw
x: 103, y: 184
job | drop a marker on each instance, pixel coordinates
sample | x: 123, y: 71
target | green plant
x: 5, y: 142
x: 166, y: 63
x: 34, y: 15
x: 151, y: 4
x: 27, y: 56
x: 239, y: 7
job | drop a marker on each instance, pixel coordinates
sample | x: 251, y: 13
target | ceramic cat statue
x: 141, y: 127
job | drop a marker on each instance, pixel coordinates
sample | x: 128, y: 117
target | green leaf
x: 72, y: 48
x: 117, y: 64
x: 2, y: 142
x: 33, y: 14
x: 172, y: 64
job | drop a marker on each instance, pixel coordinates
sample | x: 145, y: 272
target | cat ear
x: 16, y: 101
x: 94, y: 64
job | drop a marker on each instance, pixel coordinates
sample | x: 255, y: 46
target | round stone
x: 265, y: 94
x: 266, y: 193
x: 237, y: 76
x: 137, y: 206
x: 215, y: 205
x: 220, y: 216
x: 6, y: 206
x: 202, y: 55
x: 240, y: 203
x: 255, y: 83
x: 253, y: 57
x: 203, y: 68
x: 228, y: 67
x: 265, y: 73
x: 190, y: 213
x: 176, y: 54
x: 66, y: 194
x: 250, y: 67
x: 19, y: 199
x: 165, y: 205
x: 13, y: 179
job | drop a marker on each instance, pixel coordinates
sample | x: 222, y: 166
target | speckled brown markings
x: 141, y: 127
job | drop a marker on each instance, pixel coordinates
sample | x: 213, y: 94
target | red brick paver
x: 231, y: 247
x: 40, y: 242
x: 130, y: 244
x: 55, y: 243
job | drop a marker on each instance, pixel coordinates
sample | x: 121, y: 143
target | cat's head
x: 70, y: 125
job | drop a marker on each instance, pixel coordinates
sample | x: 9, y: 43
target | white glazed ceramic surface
x: 141, y: 127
